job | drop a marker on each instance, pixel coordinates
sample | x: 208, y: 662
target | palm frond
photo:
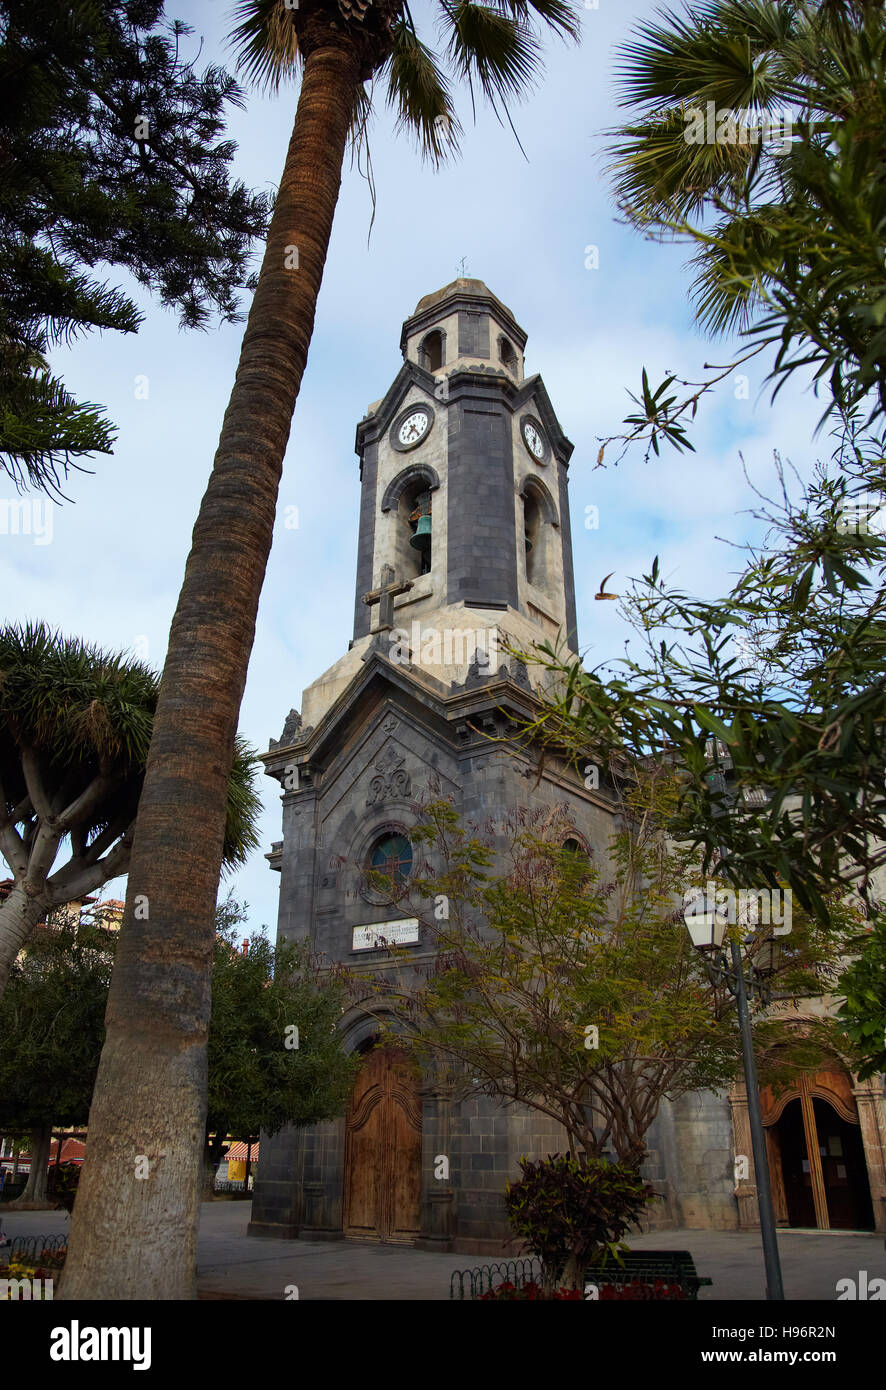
x: 244, y: 806
x: 265, y: 42
x: 558, y: 15
x: 723, y: 52
x: 740, y: 60
x: 731, y: 281
x: 500, y: 51
x: 420, y: 93
x: 656, y: 170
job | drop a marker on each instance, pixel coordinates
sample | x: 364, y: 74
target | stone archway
x: 826, y: 1141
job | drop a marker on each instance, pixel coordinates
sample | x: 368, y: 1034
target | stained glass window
x: 391, y: 855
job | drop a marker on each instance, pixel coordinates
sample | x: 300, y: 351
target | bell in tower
x: 420, y: 539
x: 463, y: 552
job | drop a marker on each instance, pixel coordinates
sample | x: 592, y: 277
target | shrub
x: 572, y: 1212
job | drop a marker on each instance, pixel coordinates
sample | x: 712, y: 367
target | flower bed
x: 637, y: 1290
x: 43, y: 1273
x: 507, y: 1291
x: 49, y: 1251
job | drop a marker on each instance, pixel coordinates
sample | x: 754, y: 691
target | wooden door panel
x: 365, y: 1178
x: 776, y: 1175
x: 383, y: 1151
x: 405, y: 1168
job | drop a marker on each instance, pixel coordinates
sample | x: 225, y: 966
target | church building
x: 464, y: 550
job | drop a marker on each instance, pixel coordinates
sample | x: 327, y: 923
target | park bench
x: 670, y: 1266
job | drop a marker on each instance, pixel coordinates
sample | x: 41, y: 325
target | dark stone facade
x: 397, y: 716
x: 482, y: 537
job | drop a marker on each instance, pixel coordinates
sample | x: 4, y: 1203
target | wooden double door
x: 816, y: 1155
x: 382, y: 1196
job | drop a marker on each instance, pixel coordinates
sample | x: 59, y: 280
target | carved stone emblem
x: 391, y: 780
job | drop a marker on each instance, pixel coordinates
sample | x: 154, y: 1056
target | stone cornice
x: 438, y: 699
x: 457, y: 715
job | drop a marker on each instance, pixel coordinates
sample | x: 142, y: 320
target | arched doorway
x: 383, y: 1151
x: 816, y: 1154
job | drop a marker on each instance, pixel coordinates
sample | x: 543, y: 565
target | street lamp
x: 706, y: 922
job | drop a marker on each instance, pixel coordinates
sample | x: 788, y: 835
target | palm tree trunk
x: 19, y: 916
x: 134, y: 1228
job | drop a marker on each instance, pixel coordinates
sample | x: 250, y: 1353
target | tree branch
x: 81, y: 808
x: 11, y: 844
x: 34, y: 784
x: 74, y: 881
x: 42, y: 855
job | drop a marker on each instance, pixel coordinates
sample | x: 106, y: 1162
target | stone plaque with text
x: 386, y: 933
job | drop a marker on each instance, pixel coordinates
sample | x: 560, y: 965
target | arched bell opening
x: 539, y: 517
x: 415, y: 508
x: 531, y: 527
x: 507, y: 356
x: 432, y: 353
x: 413, y: 519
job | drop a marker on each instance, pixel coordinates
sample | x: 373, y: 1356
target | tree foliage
x: 75, y: 727
x: 572, y: 987
x: 863, y: 1011
x: 262, y: 1074
x: 782, y: 194
x: 52, y: 1023
x: 768, y: 702
x: 113, y: 153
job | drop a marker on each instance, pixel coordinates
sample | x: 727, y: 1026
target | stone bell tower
x: 464, y: 549
x: 466, y: 452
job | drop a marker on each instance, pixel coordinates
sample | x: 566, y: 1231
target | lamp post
x: 706, y: 923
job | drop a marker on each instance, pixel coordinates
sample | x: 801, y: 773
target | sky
x: 597, y: 301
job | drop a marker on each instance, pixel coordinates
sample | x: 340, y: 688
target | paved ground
x: 236, y: 1266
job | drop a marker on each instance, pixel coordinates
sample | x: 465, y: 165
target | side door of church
x: 383, y: 1151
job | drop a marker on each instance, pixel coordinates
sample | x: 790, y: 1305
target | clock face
x: 414, y: 427
x: 534, y: 440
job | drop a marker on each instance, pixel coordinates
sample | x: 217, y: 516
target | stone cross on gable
x: 384, y: 596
